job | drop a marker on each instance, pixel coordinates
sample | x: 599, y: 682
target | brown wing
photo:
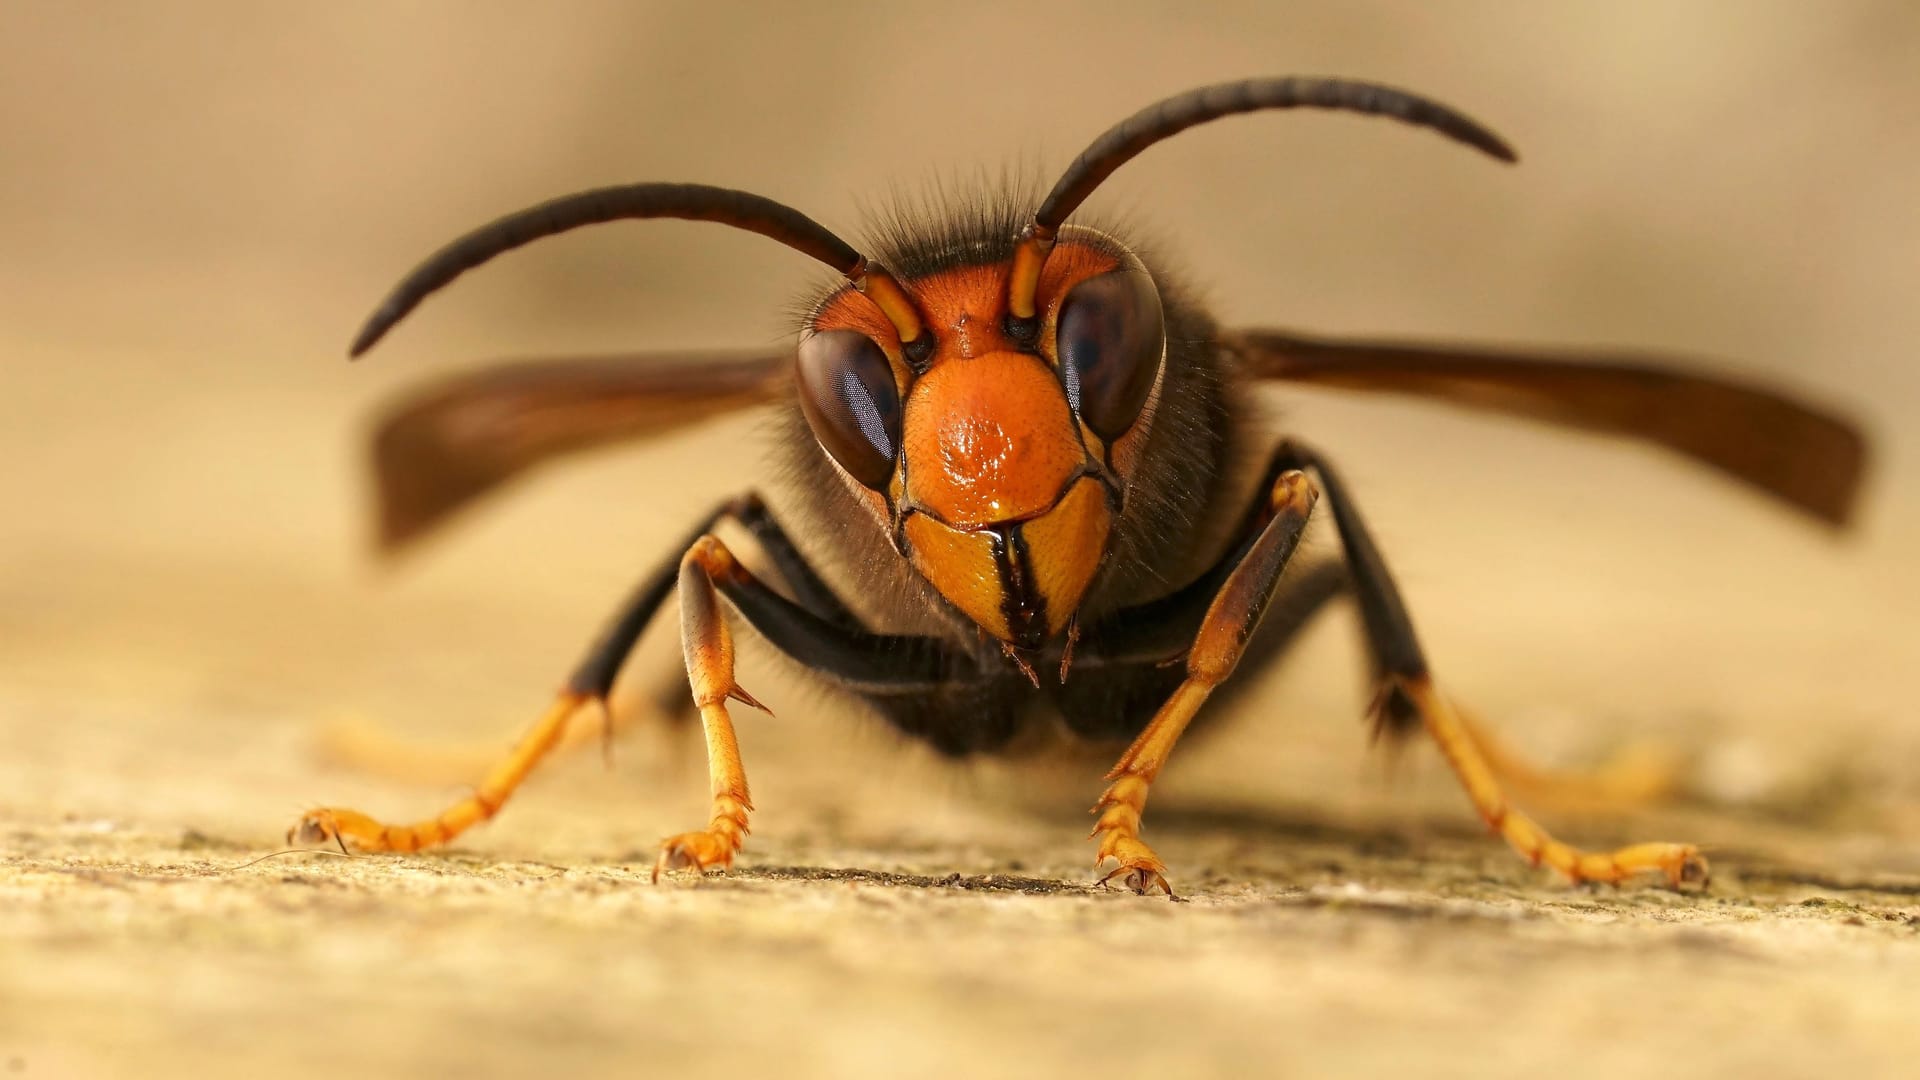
x: 453, y: 441
x: 1793, y: 451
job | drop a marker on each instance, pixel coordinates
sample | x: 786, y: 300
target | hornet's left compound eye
x: 847, y: 392
x: 1109, y: 340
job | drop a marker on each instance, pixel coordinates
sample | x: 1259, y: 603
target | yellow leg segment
x: 708, y: 646
x: 1638, y: 776
x: 1680, y: 864
x: 709, y: 656
x: 1125, y: 799
x: 1230, y: 620
x: 374, y: 750
x: 353, y: 830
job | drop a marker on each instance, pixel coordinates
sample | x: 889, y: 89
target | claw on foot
x: 1137, y: 867
x: 1142, y: 879
x: 711, y: 848
x: 327, y: 827
x: 1119, y: 831
x: 708, y: 849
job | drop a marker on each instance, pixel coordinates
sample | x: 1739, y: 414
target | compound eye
x: 847, y: 392
x: 1109, y: 339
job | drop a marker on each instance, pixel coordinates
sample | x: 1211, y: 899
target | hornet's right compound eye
x: 848, y: 395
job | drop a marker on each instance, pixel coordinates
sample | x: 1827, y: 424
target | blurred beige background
x: 199, y: 203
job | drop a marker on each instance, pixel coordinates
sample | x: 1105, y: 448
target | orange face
x: 988, y: 465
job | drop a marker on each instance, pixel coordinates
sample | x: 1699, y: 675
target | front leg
x: 845, y: 654
x: 1229, y: 621
x: 708, y: 646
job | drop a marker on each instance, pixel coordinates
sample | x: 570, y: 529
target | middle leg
x: 1408, y: 699
x: 826, y: 638
x: 372, y: 749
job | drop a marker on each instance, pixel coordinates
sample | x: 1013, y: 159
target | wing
x: 453, y: 441
x: 1810, y: 459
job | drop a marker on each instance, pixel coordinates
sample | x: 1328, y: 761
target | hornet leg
x: 1407, y: 698
x: 1229, y: 621
x: 826, y: 640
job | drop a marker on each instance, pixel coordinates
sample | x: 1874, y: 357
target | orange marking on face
x: 1064, y: 545
x: 989, y: 440
x: 961, y: 566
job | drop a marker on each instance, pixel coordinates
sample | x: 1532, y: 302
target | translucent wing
x: 453, y: 441
x: 1806, y: 457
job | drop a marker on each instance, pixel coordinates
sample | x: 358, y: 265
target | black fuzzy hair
x: 949, y: 224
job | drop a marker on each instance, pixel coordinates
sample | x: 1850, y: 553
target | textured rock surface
x: 1310, y: 949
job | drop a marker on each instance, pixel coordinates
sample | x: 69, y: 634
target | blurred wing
x: 453, y: 441
x: 1794, y: 452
